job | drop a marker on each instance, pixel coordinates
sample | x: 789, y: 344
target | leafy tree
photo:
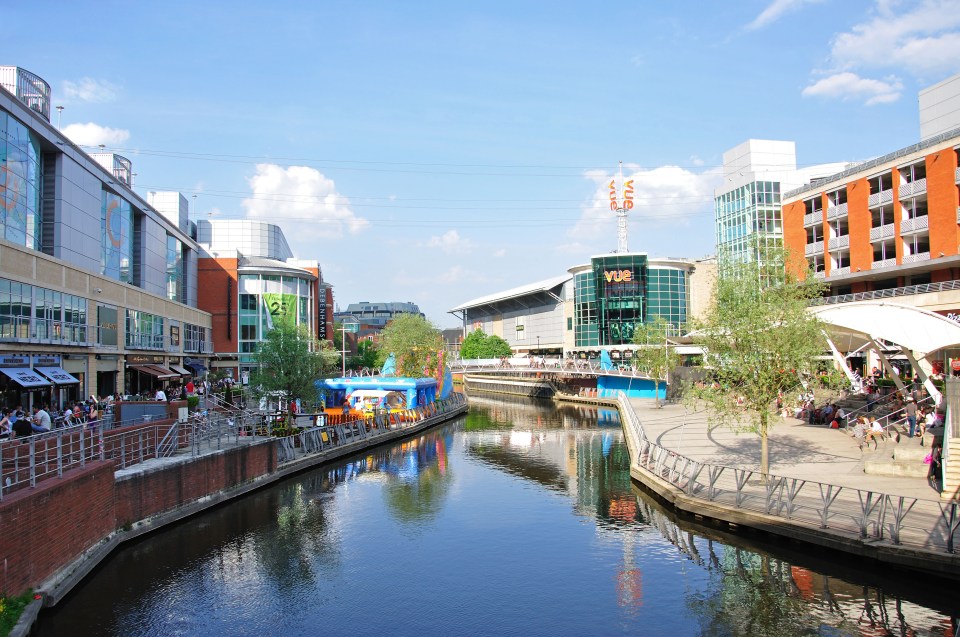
x: 655, y: 356
x: 478, y: 344
x: 289, y: 361
x: 759, y: 339
x: 367, y: 356
x: 414, y: 341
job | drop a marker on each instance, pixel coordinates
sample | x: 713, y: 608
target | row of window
x: 31, y: 312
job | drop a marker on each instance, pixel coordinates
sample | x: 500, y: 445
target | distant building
x: 597, y: 305
x: 373, y: 317
x: 249, y: 281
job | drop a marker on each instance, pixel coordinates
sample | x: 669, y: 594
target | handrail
x: 871, y: 515
x: 920, y: 288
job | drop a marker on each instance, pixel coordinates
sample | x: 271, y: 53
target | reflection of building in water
x: 518, y: 411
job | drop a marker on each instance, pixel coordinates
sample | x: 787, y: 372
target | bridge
x: 547, y: 367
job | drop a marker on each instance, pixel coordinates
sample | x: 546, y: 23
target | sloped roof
x: 523, y: 290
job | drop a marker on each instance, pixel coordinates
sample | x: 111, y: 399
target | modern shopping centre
x: 595, y: 306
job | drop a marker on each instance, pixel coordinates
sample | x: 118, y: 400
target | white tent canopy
x: 854, y: 325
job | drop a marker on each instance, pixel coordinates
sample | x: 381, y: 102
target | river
x: 517, y: 519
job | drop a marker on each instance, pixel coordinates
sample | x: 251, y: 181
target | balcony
x: 813, y: 248
x: 884, y: 196
x: 916, y: 258
x: 884, y: 263
x: 882, y: 232
x: 913, y: 188
x: 956, y: 175
x: 839, y: 242
x: 958, y: 214
x: 840, y: 271
x: 25, y: 329
x: 812, y: 219
x: 916, y: 224
x: 145, y: 341
x: 820, y: 275
x: 835, y: 212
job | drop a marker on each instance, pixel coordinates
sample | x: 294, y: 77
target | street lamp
x: 59, y: 115
x: 538, y: 344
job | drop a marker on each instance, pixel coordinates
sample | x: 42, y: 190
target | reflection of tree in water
x: 302, y: 540
x: 421, y: 477
x: 752, y: 593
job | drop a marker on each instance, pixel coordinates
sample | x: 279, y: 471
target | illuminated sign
x: 618, y: 276
x: 627, y: 201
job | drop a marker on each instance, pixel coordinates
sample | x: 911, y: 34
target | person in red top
x: 190, y: 388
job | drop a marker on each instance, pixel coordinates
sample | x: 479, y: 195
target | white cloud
x: 666, y: 194
x: 91, y: 134
x: 920, y: 39
x: 302, y: 200
x: 450, y: 242
x: 850, y: 86
x: 774, y: 11
x: 916, y: 38
x: 459, y: 274
x: 88, y: 89
x: 502, y: 252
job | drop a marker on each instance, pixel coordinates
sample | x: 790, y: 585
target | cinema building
x: 596, y: 306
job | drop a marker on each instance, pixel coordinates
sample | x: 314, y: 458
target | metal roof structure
x: 540, y: 287
x: 854, y: 325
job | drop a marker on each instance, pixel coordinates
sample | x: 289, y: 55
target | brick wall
x: 216, y: 281
x: 45, y: 528
x: 142, y: 496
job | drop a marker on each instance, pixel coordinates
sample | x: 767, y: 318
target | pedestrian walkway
x: 797, y: 449
x: 815, y: 491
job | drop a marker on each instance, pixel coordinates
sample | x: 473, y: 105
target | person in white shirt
x: 41, y: 420
x: 160, y: 395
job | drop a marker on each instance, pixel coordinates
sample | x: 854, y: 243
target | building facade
x: 249, y: 282
x: 371, y: 318
x: 597, y: 306
x: 96, y: 286
x: 748, y: 205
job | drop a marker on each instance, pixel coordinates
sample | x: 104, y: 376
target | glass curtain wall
x: 746, y: 216
x: 116, y: 245
x: 174, y: 269
x: 620, y: 282
x: 667, y: 296
x: 267, y: 300
x: 20, y: 183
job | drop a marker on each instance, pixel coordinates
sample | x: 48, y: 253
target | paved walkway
x: 798, y: 450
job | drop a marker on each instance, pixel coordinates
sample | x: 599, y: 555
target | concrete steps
x: 902, y: 460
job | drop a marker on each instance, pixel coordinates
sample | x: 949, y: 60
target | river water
x: 517, y: 519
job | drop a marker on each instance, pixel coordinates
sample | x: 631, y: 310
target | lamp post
x: 59, y: 115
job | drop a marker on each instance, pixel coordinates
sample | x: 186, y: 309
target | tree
x: 414, y: 341
x: 478, y: 344
x: 290, y: 360
x: 655, y: 355
x: 759, y: 340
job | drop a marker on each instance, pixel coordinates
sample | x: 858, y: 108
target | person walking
x: 910, y: 409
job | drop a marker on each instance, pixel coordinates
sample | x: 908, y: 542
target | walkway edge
x: 939, y: 563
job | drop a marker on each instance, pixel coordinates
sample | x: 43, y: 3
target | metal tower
x: 621, y: 200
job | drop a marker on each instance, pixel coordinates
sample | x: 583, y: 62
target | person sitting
x: 22, y: 428
x: 860, y: 431
x: 874, y: 433
x: 41, y: 420
x: 5, y: 427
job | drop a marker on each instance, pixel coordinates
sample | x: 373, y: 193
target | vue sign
x: 618, y: 276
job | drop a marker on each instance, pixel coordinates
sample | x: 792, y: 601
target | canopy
x: 180, y: 370
x: 853, y: 325
x: 155, y: 370
x: 25, y: 377
x: 58, y: 375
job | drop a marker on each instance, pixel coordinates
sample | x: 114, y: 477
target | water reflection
x: 519, y: 518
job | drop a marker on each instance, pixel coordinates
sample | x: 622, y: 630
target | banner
x: 281, y: 309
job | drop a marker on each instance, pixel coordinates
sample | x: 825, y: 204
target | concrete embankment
x: 90, y: 511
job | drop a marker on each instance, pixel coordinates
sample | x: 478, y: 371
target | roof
x: 264, y: 263
x: 854, y: 324
x: 523, y: 290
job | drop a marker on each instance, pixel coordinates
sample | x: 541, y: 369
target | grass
x: 11, y: 609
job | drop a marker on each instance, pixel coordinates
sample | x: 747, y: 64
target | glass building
x: 613, y: 294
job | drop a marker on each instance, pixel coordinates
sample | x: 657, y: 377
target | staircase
x: 951, y: 479
x: 903, y: 459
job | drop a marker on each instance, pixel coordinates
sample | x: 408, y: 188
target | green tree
x: 290, y: 360
x: 414, y: 341
x: 759, y: 340
x: 655, y: 356
x: 367, y: 356
x: 478, y: 344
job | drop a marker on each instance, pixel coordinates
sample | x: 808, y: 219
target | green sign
x: 281, y: 308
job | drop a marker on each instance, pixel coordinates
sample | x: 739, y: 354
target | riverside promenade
x: 817, y: 491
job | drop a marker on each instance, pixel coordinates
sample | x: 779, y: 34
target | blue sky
x: 439, y: 151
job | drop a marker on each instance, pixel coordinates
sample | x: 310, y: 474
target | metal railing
x: 871, y: 515
x: 317, y: 439
x: 923, y: 288
x: 556, y: 366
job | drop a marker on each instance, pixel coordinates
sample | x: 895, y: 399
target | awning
x: 181, y: 371
x: 154, y: 370
x: 196, y: 365
x: 58, y: 375
x: 25, y: 377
